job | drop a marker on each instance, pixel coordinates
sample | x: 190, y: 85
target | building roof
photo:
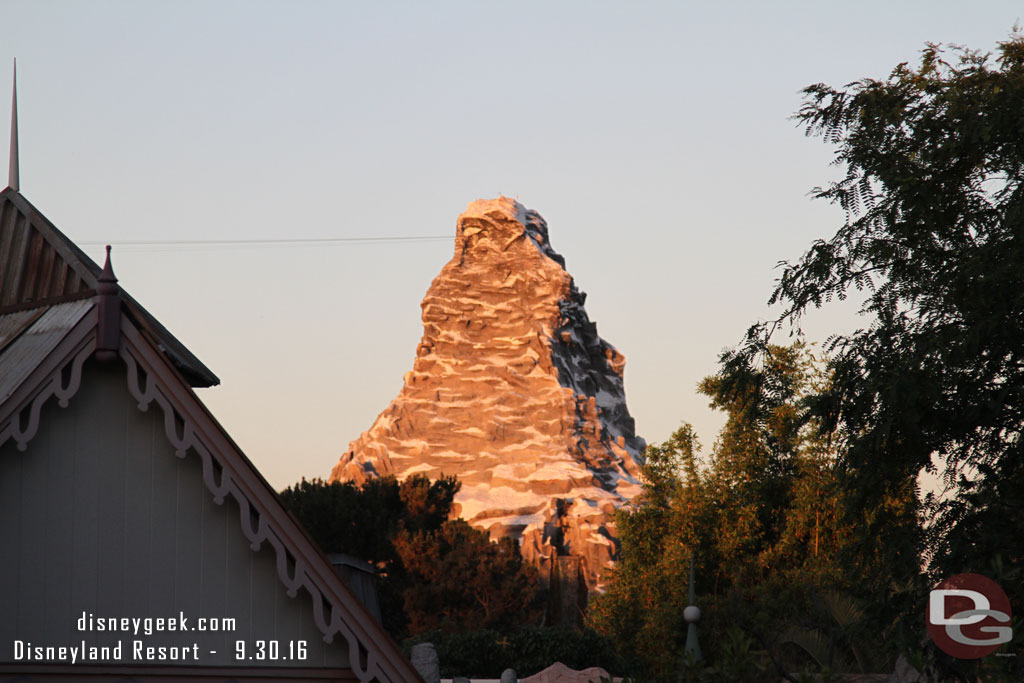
x: 53, y: 320
x: 29, y: 336
x: 40, y: 266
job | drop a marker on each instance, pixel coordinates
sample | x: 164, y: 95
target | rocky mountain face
x: 514, y: 392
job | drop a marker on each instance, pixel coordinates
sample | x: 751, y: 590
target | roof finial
x: 12, y: 177
x: 108, y: 303
x: 107, y: 277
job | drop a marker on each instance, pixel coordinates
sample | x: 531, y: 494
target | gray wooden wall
x: 100, y: 516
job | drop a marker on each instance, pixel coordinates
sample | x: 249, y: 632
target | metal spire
x: 12, y: 176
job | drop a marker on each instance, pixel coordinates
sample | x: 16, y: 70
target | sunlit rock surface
x: 514, y: 392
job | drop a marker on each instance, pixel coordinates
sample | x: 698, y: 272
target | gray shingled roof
x: 27, y: 337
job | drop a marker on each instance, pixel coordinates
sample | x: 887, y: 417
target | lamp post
x: 692, y: 615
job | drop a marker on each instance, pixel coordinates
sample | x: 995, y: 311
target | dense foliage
x: 933, y: 244
x: 765, y: 522
x: 934, y: 240
x: 461, y: 580
x: 362, y: 520
x: 433, y: 573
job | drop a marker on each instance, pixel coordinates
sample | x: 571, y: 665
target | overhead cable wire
x: 257, y: 242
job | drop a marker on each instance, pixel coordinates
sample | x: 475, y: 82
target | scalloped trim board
x: 190, y: 427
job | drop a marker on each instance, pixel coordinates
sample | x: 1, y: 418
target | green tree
x: 432, y: 572
x: 343, y: 517
x: 933, y: 240
x: 764, y: 457
x: 641, y: 609
x: 462, y: 581
x: 763, y: 519
x: 363, y: 520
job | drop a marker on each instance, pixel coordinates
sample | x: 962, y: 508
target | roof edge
x: 226, y: 471
x: 193, y: 369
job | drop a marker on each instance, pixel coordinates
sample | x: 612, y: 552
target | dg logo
x: 968, y: 616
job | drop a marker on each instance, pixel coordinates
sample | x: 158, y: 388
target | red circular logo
x: 968, y: 616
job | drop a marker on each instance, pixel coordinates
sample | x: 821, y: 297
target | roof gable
x: 55, y: 306
x: 40, y: 266
x: 91, y: 533
x: 226, y: 472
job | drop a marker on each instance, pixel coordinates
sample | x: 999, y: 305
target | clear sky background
x: 654, y: 137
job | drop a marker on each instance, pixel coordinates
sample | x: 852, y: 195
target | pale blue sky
x: 654, y: 138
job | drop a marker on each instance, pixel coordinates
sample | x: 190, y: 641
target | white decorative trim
x: 52, y: 386
x: 260, y: 532
x: 330, y: 612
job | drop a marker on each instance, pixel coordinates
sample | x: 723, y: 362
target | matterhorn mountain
x: 513, y: 392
